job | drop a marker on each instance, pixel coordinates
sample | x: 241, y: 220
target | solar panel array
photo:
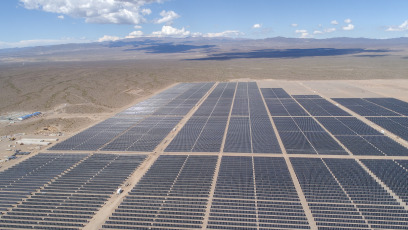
x: 341, y: 194
x: 362, y: 139
x: 172, y: 194
x: 393, y: 104
x: 392, y: 173
x: 145, y: 136
x: 280, y: 103
x: 143, y: 126
x: 19, y: 181
x: 330, y: 205
x: 396, y: 125
x: 379, y: 208
x: 254, y: 192
x: 204, y: 131
x: 389, y: 113
x: 303, y: 135
x: 299, y: 132
x: 342, y: 179
x: 67, y: 190
x: 365, y: 107
x: 250, y: 129
x: 320, y: 107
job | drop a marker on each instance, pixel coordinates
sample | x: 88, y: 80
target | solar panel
x: 396, y: 125
x: 173, y: 193
x: 364, y: 107
x: 392, y: 104
x: 73, y: 188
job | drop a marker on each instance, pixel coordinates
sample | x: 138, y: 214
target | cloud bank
x: 167, y: 17
x: 96, y: 11
x: 402, y: 27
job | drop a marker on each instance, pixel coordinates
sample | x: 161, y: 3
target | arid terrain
x: 75, y: 86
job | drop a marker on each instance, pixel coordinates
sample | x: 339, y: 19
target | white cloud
x: 169, y: 31
x: 60, y: 17
x: 348, y: 27
x: 300, y: 31
x: 402, y: 27
x: 348, y: 20
x: 294, y: 25
x: 303, y: 33
x: 257, y: 26
x: 95, y: 11
x: 167, y: 17
x: 107, y: 38
x: 330, y: 30
x: 334, y: 22
x: 146, y: 11
x: 137, y: 27
x: 227, y: 33
x: 40, y: 42
x: 325, y: 31
x: 135, y: 34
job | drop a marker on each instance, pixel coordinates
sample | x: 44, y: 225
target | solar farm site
x: 223, y: 155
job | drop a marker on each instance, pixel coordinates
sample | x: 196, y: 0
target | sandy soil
x: 75, y: 95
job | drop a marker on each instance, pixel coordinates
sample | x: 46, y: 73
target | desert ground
x: 77, y: 88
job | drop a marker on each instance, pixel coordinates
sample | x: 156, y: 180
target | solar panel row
x: 396, y: 125
x: 303, y: 135
x: 328, y: 202
x: 255, y: 191
x: 392, y: 104
x: 370, y: 198
x: 360, y: 138
x: 178, y: 95
x: 172, y: 194
x: 280, y: 103
x: 274, y: 93
x: 19, y: 181
x: 204, y: 131
x: 321, y: 107
x: 341, y: 193
x: 250, y: 123
x: 176, y: 101
x: 145, y: 136
x: 71, y: 199
x: 365, y: 108
x: 393, y: 173
x: 97, y: 135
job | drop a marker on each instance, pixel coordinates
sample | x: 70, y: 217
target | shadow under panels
x: 173, y: 194
x: 61, y: 191
x: 204, y: 131
x: 360, y: 138
x: 141, y: 127
x: 255, y: 191
x: 342, y: 195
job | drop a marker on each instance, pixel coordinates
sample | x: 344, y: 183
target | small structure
x: 28, y: 116
x: 27, y: 141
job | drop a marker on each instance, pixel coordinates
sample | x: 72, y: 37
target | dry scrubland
x: 77, y: 94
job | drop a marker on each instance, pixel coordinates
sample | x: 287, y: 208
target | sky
x: 45, y: 22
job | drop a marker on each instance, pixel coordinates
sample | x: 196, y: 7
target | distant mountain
x: 184, y: 48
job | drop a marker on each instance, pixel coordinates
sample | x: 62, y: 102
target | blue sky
x: 42, y: 22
